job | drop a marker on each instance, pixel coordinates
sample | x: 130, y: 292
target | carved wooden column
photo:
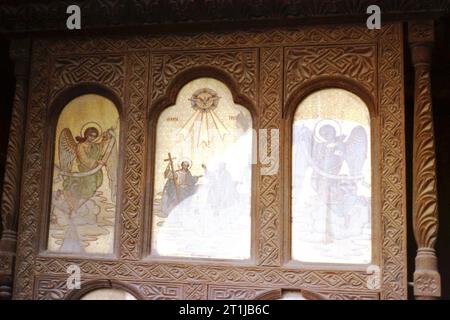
x: 427, y: 283
x: 20, y: 52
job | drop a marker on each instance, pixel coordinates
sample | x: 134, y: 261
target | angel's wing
x: 67, y: 150
x: 303, y: 149
x: 111, y: 165
x: 356, y: 150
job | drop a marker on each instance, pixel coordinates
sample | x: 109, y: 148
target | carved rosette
x: 425, y: 211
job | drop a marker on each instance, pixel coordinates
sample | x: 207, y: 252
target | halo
x: 185, y: 160
x: 94, y: 125
x: 321, y: 123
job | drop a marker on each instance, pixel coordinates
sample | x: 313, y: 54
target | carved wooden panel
x: 269, y: 201
x: 240, y: 64
x: 393, y: 205
x: 234, y: 293
x: 32, y: 193
x: 140, y: 70
x: 135, y: 110
x: 351, y: 61
x: 427, y: 282
x: 72, y: 70
x: 160, y: 291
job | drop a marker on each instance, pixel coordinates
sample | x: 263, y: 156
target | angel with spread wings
x: 326, y: 150
x: 337, y: 161
x: 81, y: 161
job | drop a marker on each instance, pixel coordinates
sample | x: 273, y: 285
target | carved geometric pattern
x: 307, y: 35
x: 349, y: 296
x: 234, y: 293
x: 137, y: 75
x: 108, y: 70
x: 32, y: 192
x: 195, y: 291
x: 130, y: 270
x: 51, y: 289
x: 241, y: 64
x: 393, y: 219
x: 269, y: 236
x: 160, y: 291
x: 354, y: 62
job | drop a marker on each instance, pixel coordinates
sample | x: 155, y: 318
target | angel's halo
x: 92, y: 124
x: 321, y: 123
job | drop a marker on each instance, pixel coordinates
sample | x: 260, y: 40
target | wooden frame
x: 154, y: 113
x: 291, y: 107
x: 140, y: 70
x: 54, y: 113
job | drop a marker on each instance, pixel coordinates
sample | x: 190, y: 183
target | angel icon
x: 336, y: 163
x: 81, y: 163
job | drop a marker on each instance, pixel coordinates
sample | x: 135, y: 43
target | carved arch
x: 277, y: 294
x: 328, y: 82
x: 290, y: 108
x: 188, y: 75
x: 153, y: 115
x: 89, y: 286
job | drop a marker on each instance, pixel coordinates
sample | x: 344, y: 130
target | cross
x: 170, y: 159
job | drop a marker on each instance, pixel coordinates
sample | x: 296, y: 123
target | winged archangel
x: 83, y: 161
x: 336, y: 162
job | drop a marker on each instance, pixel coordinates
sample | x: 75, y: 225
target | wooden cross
x: 170, y: 159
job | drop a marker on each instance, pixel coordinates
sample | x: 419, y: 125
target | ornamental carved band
x: 425, y: 210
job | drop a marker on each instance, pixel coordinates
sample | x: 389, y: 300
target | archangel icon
x: 84, y: 187
x: 331, y: 197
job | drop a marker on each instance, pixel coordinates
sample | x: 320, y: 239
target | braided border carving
x: 393, y: 220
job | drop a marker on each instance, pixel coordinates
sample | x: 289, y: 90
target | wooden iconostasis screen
x: 216, y: 166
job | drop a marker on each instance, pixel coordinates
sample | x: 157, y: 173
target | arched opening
x: 84, y: 185
x: 203, y: 175
x: 331, y: 180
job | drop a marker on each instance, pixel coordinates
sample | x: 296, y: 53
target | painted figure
x: 81, y: 163
x: 180, y: 185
